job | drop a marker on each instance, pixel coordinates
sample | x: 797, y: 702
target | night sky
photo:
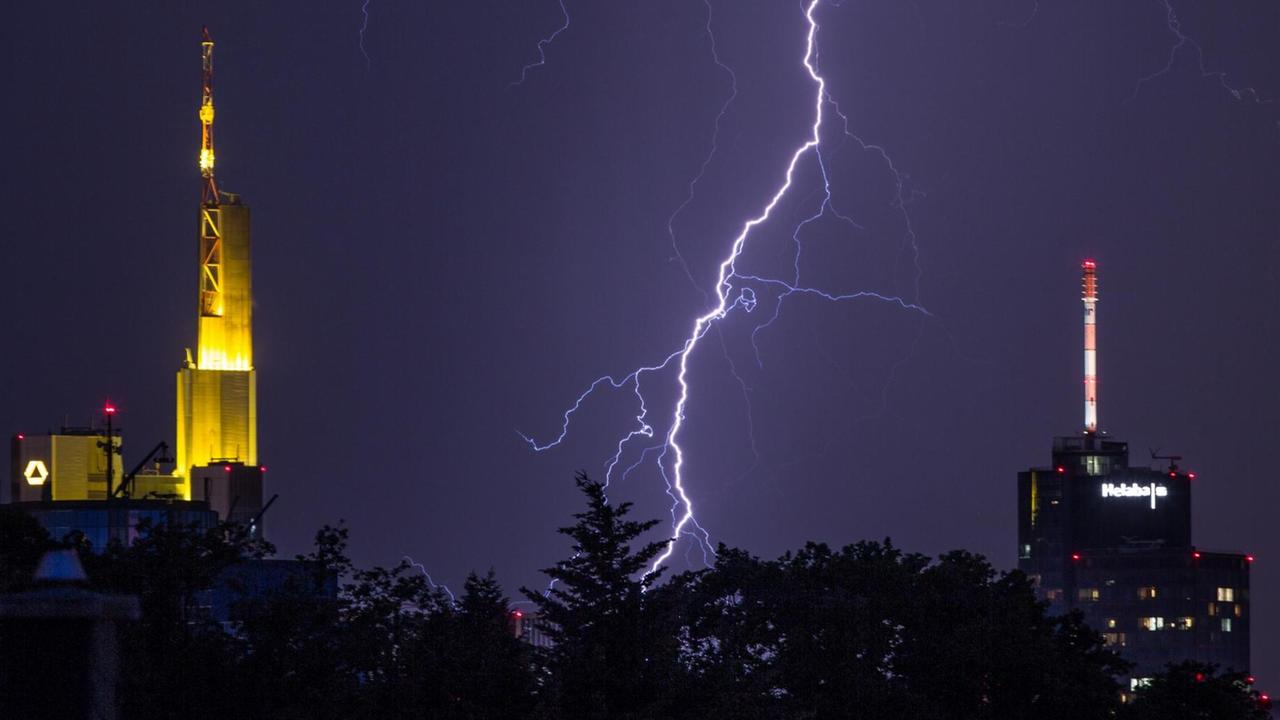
x: 443, y: 260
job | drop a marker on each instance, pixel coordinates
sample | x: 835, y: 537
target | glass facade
x: 102, y: 522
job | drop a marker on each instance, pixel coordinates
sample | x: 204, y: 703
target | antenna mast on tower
x: 1090, y: 296
x: 209, y: 194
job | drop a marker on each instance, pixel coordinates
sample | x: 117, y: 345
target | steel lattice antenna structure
x: 209, y: 195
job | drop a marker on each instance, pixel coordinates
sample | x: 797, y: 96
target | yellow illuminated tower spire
x: 217, y: 388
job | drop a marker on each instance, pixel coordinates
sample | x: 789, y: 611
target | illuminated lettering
x: 1134, y: 490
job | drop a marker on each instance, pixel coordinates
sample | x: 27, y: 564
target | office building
x: 1113, y: 540
x: 217, y: 409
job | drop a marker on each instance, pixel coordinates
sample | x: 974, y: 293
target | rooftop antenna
x: 209, y: 194
x: 1173, y: 459
x: 109, y: 446
x: 1090, y: 295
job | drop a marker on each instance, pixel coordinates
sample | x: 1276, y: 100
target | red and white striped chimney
x: 1090, y: 346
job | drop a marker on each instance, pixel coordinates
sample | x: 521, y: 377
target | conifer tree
x: 608, y: 657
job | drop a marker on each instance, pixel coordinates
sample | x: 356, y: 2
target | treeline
x: 866, y: 631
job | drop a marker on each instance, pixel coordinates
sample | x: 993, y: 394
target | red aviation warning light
x: 1090, y: 297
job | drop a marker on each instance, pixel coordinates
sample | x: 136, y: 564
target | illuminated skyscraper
x: 1113, y: 540
x: 217, y: 387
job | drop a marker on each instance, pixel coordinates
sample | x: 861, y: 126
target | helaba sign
x: 1134, y: 490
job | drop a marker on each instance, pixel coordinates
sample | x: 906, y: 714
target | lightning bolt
x: 364, y: 10
x: 423, y: 569
x: 733, y: 290
x: 542, y: 47
x: 1184, y: 40
x: 715, y: 141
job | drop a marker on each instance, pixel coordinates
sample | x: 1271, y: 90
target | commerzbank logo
x: 1134, y: 490
x: 36, y: 473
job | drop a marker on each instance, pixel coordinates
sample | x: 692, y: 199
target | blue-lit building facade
x: 102, y: 521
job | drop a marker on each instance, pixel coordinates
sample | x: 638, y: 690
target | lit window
x: 1089, y: 594
x: 1111, y: 622
x: 1135, y: 683
x: 1184, y: 623
x: 1149, y: 592
x: 1114, y: 639
x: 1213, y: 609
x: 1226, y: 594
x: 1053, y: 594
x: 1026, y: 551
x: 1239, y: 612
x: 1226, y: 624
x: 1152, y: 623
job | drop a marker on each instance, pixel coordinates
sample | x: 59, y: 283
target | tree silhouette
x: 864, y: 631
x: 870, y: 631
x: 608, y: 658
x: 1197, y: 691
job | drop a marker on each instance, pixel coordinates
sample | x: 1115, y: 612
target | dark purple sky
x: 442, y: 260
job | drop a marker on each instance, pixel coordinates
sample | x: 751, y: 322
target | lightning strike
x: 1184, y: 40
x: 1035, y: 10
x: 735, y: 291
x: 542, y: 48
x: 364, y: 10
x: 434, y: 586
x: 715, y: 141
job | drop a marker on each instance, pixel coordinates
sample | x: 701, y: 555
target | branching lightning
x: 735, y: 290
x: 1184, y: 40
x: 542, y: 48
x: 711, y: 153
